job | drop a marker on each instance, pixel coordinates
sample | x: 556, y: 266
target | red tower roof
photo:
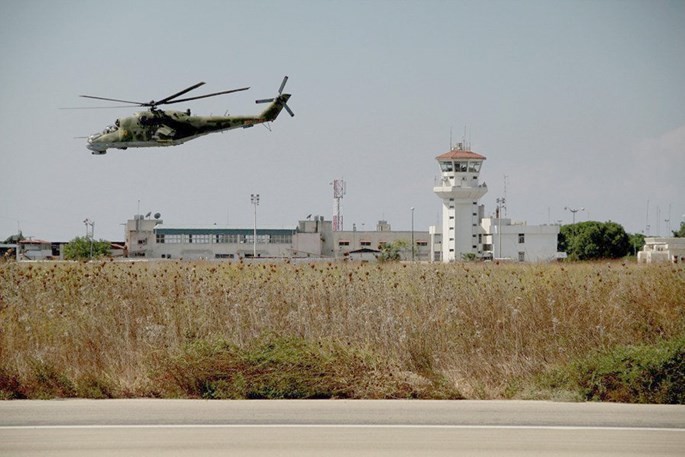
x: 456, y: 154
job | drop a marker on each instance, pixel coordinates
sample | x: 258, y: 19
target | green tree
x: 391, y: 252
x: 13, y: 239
x: 637, y: 241
x: 680, y: 233
x: 80, y: 248
x: 594, y: 240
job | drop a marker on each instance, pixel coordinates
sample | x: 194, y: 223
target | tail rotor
x: 281, y: 98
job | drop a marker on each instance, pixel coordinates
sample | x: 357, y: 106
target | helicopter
x: 156, y: 127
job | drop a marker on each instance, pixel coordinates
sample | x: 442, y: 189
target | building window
x: 160, y: 238
x: 474, y: 166
x: 366, y: 243
x: 522, y: 238
x: 201, y: 239
x: 285, y: 238
x: 261, y: 239
x: 422, y: 243
x: 522, y: 256
x: 343, y: 243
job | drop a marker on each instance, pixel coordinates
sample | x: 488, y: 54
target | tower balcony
x: 445, y: 188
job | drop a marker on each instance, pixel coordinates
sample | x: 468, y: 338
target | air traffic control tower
x: 460, y: 191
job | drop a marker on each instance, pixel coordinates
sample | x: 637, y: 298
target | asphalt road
x: 338, y: 428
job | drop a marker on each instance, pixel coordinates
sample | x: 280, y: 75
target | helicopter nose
x: 94, y: 147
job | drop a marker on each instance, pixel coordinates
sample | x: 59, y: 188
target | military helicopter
x: 157, y: 127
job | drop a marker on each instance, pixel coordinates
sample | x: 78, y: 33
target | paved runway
x: 338, y: 428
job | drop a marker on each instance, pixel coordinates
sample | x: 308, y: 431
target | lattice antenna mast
x: 504, y: 200
x: 339, y: 190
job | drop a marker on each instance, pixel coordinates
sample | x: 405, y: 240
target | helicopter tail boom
x: 272, y: 112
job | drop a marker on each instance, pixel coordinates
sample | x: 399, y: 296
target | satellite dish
x: 157, y: 215
x: 148, y: 214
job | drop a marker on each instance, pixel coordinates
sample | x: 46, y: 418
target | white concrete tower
x: 460, y: 191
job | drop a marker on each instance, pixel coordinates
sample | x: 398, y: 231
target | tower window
x: 474, y: 167
x: 522, y: 237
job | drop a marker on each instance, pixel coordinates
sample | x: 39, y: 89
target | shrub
x: 631, y: 374
x: 286, y: 368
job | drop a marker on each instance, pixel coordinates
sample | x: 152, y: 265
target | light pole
x: 88, y: 222
x: 574, y: 211
x: 412, y: 234
x: 254, y: 198
x: 500, y: 204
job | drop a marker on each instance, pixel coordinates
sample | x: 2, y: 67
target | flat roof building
x: 149, y: 238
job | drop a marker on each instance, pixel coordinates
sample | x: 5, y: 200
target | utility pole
x: 254, y: 198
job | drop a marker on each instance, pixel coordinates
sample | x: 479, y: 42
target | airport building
x: 662, y: 249
x: 312, y: 239
x: 465, y: 232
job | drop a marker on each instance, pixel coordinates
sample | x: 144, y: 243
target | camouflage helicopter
x: 157, y: 127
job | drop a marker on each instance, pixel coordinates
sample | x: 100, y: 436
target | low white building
x: 666, y: 249
x: 518, y: 241
x: 35, y: 250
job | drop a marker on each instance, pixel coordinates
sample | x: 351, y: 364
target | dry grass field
x: 345, y: 330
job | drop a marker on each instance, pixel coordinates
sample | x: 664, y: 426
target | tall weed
x: 489, y: 329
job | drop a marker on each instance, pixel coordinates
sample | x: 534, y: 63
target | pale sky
x: 579, y: 104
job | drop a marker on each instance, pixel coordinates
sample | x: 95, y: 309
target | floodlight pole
x: 500, y: 204
x: 412, y: 234
x: 254, y: 199
x: 574, y: 211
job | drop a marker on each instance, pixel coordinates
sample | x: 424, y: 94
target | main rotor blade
x: 202, y: 96
x: 178, y: 94
x: 96, y: 107
x: 287, y: 108
x: 265, y: 100
x: 114, y: 100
